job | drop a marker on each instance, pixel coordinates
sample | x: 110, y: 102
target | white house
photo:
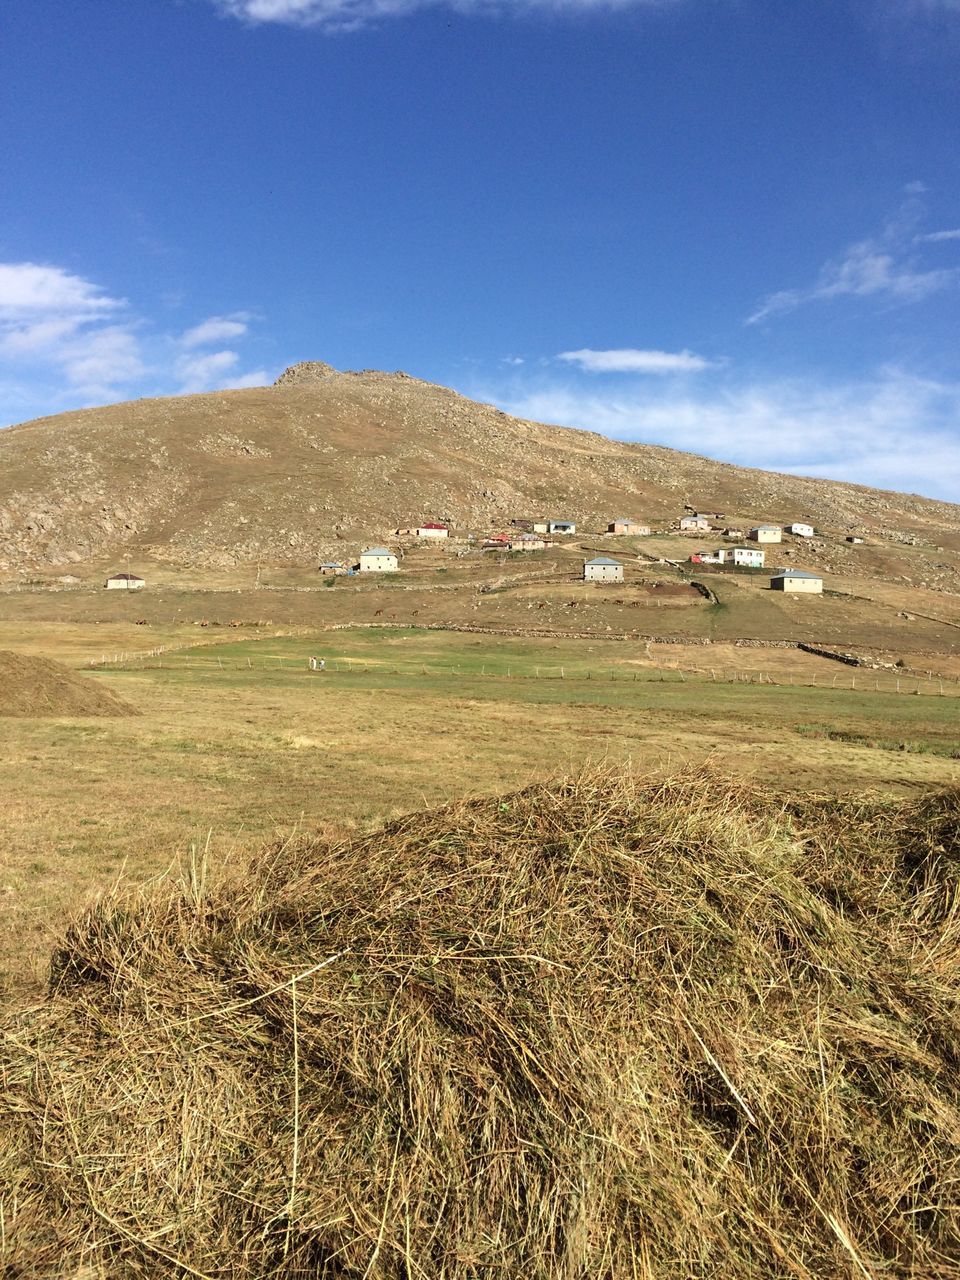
x: 749, y: 557
x: 852, y: 537
x: 124, y: 582
x: 765, y: 533
x: 797, y: 580
x: 378, y: 560
x: 560, y: 526
x: 602, y: 569
x: 541, y: 526
x: 432, y: 531
x: 694, y: 524
x: 800, y: 530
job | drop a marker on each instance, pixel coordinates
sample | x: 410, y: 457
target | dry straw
x: 605, y: 1028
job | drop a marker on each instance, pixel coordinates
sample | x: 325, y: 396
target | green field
x: 240, y: 742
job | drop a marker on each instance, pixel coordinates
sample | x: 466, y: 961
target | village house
x: 378, y: 560
x: 733, y: 533
x: 541, y: 526
x: 432, y: 531
x: 797, y: 580
x: 800, y: 530
x: 694, y: 524
x: 330, y: 568
x: 765, y: 533
x: 124, y: 582
x: 747, y: 557
x: 527, y: 542
x: 602, y: 569
x: 852, y: 537
x: 627, y: 526
x: 559, y: 526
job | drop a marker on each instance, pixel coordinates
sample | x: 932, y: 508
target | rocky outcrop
x: 307, y: 371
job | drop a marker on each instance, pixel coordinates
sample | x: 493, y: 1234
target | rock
x: 307, y: 371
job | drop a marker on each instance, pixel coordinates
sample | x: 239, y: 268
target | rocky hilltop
x: 324, y: 461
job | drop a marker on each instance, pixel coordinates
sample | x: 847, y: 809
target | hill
x: 598, y: 1027
x: 323, y: 463
x: 33, y: 686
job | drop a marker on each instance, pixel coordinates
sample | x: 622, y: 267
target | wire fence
x: 861, y: 680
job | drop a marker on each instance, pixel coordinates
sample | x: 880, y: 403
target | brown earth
x: 31, y: 686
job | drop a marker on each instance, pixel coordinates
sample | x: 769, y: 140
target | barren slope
x: 319, y: 465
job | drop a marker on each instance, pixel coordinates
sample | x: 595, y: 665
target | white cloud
x: 631, y: 360
x: 29, y: 291
x: 879, y: 265
x: 938, y: 237
x: 65, y: 342
x: 347, y: 15
x: 101, y: 360
x: 215, y: 371
x: 216, y: 329
x: 891, y: 430
x: 53, y: 318
x: 202, y: 373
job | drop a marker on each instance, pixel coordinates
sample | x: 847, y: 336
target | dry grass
x: 31, y: 686
x: 601, y: 1028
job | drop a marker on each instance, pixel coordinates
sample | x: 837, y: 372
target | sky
x: 726, y: 226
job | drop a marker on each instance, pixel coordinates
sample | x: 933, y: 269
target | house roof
x: 377, y: 551
x: 797, y: 573
x: 604, y: 560
x: 767, y: 526
x: 330, y: 564
x: 125, y: 577
x: 431, y: 525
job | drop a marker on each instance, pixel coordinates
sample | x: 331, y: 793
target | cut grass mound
x: 603, y: 1028
x: 32, y: 686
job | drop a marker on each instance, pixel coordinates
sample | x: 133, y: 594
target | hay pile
x: 603, y: 1028
x: 31, y: 686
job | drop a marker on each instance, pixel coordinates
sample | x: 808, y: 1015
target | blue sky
x: 729, y: 226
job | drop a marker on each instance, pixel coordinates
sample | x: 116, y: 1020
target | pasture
x: 239, y: 742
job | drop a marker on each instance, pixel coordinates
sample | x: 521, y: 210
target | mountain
x: 324, y: 462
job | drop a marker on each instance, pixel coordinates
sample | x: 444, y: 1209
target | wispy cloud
x: 66, y: 341
x: 31, y: 289
x: 217, y: 370
x: 347, y: 15
x: 51, y: 316
x: 632, y: 360
x: 216, y: 329
x: 938, y: 237
x: 892, y: 430
x: 878, y: 266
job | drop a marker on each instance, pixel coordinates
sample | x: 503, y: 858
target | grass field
x: 239, y: 742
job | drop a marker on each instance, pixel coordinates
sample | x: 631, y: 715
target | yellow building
x: 797, y: 580
x: 765, y: 533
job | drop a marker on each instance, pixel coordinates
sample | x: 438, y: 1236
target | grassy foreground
x: 599, y: 1028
